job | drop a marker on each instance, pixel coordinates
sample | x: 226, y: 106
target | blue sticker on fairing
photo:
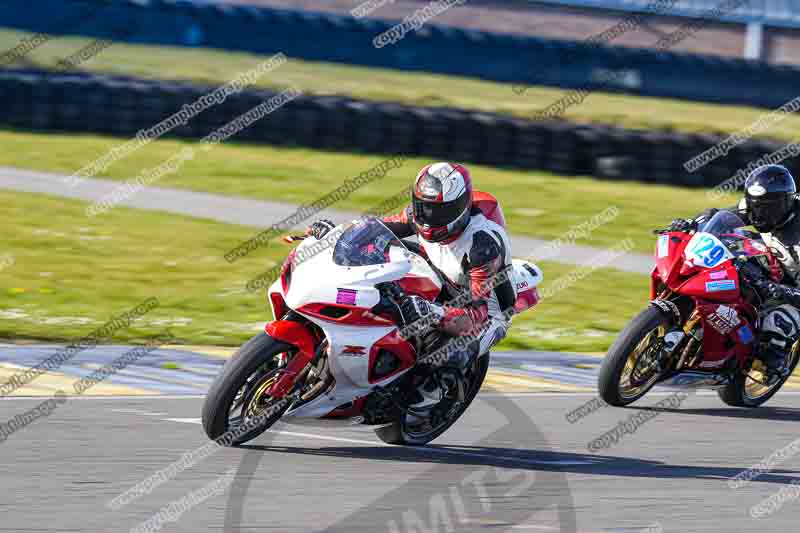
x: 745, y: 334
x: 722, y: 285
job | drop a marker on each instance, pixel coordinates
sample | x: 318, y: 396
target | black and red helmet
x: 442, y: 201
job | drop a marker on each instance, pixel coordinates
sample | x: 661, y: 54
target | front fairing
x: 720, y: 284
x: 319, y: 279
x: 702, y: 264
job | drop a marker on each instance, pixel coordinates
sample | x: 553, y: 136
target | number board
x: 706, y: 250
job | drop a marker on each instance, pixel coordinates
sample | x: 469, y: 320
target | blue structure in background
x: 755, y: 15
x: 501, y: 58
x: 778, y: 13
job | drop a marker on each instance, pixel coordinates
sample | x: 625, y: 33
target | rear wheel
x: 415, y: 428
x: 631, y: 366
x: 238, y: 406
x: 751, y: 389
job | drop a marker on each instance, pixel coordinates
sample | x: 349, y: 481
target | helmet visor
x: 438, y: 214
x: 767, y: 213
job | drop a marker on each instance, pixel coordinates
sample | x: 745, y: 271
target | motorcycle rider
x: 462, y: 234
x: 771, y: 205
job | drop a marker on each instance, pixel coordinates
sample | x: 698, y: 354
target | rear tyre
x: 746, y: 389
x: 399, y: 433
x: 242, y: 386
x: 630, y: 368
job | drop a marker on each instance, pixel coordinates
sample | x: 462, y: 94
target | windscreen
x: 365, y: 242
x: 720, y: 239
x: 724, y: 222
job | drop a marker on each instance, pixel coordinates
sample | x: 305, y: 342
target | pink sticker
x: 719, y: 274
x: 346, y: 296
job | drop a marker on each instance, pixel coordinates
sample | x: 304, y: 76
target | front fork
x: 678, y: 334
x: 695, y: 339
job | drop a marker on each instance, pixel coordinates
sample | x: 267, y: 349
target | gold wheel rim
x: 754, y: 387
x: 252, y: 406
x: 632, y: 391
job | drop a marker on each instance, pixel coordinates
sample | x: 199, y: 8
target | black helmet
x: 769, y: 194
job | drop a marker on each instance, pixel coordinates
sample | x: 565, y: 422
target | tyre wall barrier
x: 120, y: 106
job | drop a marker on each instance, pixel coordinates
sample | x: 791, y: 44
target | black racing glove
x: 415, y: 309
x: 765, y: 287
x: 682, y: 224
x: 768, y: 290
x: 320, y: 228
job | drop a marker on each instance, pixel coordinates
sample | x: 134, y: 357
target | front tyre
x: 631, y: 366
x: 238, y: 407
x: 403, y: 430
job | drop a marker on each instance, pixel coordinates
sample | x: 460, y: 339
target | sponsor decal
x: 346, y: 296
x: 719, y: 274
x: 757, y: 190
x: 663, y: 246
x: 354, y: 350
x: 521, y: 285
x: 724, y: 319
x: 745, y: 334
x: 722, y: 285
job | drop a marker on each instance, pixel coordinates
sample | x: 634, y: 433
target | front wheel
x: 414, y: 430
x: 631, y: 366
x: 238, y: 407
x: 751, y: 388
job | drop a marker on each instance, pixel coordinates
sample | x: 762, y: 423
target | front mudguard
x: 299, y: 336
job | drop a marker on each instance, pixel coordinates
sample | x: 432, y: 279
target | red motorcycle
x: 701, y: 327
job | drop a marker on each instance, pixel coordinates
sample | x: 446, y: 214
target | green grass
x: 216, y: 67
x: 535, y: 203
x: 70, y: 274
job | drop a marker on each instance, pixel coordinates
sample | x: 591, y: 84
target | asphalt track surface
x: 190, y: 370
x: 261, y: 214
x: 512, y: 463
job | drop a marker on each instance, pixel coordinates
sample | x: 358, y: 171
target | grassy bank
x: 63, y: 275
x: 536, y: 204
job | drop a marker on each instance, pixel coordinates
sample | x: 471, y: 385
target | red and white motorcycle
x: 337, y: 348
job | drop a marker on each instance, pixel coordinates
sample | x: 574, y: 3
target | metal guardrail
x: 782, y: 13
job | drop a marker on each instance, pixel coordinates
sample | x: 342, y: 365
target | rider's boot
x: 428, y: 393
x: 779, y: 328
x: 775, y: 355
x: 437, y: 385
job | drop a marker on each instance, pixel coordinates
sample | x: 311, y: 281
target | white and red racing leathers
x: 470, y: 262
